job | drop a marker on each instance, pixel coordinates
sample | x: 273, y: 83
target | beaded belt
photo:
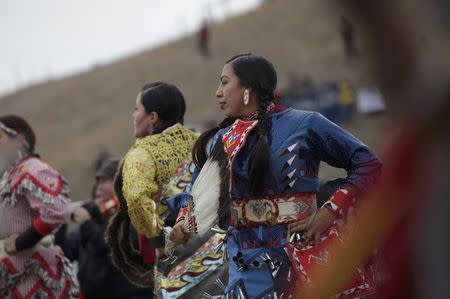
x: 272, y: 210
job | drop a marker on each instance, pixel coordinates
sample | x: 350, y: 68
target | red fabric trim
x: 305, y: 259
x: 35, y: 181
x: 46, y: 266
x: 7, y: 261
x: 147, y: 250
x: 41, y: 227
x: 343, y: 199
x: 39, y: 284
x: 182, y: 214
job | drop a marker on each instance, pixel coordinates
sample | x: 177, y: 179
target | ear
x: 23, y: 141
x: 21, y: 138
x: 154, y: 118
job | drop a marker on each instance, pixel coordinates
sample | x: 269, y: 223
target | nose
x: 219, y: 93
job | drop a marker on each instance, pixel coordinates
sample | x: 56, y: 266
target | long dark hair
x: 257, y: 73
x: 124, y: 255
x: 166, y: 100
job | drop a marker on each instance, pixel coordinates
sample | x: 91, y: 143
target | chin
x: 232, y: 115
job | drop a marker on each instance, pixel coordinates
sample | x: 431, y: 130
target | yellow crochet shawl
x: 147, y: 169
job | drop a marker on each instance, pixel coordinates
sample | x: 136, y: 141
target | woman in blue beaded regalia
x: 273, y: 156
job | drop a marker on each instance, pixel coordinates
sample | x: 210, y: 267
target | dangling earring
x: 246, y: 97
x: 150, y: 128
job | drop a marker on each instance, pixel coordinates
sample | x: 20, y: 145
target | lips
x: 221, y: 105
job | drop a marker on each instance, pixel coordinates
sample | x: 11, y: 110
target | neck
x: 271, y: 107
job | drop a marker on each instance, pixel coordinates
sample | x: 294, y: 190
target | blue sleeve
x: 181, y: 200
x: 338, y: 148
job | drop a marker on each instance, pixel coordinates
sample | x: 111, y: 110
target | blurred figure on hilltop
x: 34, y: 201
x: 98, y: 277
x: 348, y: 39
x: 203, y: 38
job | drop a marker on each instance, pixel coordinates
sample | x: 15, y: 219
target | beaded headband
x: 13, y: 133
x: 8, y: 130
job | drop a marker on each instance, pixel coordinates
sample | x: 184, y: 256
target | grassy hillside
x: 76, y: 117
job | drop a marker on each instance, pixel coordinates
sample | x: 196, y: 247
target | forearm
x: 33, y: 234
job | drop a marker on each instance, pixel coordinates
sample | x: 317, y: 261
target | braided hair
x: 257, y: 73
x: 199, y: 155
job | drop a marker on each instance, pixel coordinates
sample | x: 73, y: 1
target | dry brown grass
x: 77, y: 116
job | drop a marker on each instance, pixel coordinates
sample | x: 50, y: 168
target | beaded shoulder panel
x: 35, y: 176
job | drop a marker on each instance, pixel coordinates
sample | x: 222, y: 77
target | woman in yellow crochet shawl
x: 142, y: 183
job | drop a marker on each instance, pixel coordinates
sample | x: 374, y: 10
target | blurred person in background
x: 97, y: 275
x: 34, y: 202
x: 204, y: 37
x: 348, y: 39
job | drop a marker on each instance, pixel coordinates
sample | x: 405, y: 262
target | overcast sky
x: 44, y: 39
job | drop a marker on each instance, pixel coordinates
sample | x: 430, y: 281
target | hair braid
x: 199, y: 155
x: 259, y: 166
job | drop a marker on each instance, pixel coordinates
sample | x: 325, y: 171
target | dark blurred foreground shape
x: 406, y: 216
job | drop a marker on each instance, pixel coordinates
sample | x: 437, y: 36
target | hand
x: 322, y: 221
x: 10, y: 244
x: 81, y: 215
x: 177, y: 234
x: 301, y: 225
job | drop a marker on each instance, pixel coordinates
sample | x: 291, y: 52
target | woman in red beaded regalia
x: 34, y: 201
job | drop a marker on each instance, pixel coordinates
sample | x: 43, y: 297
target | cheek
x: 139, y: 119
x: 235, y: 104
x: 3, y: 139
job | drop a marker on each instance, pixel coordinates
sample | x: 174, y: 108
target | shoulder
x: 185, y: 132
x: 35, y: 169
x: 139, y: 153
x: 291, y: 120
x: 33, y: 174
x: 290, y: 115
